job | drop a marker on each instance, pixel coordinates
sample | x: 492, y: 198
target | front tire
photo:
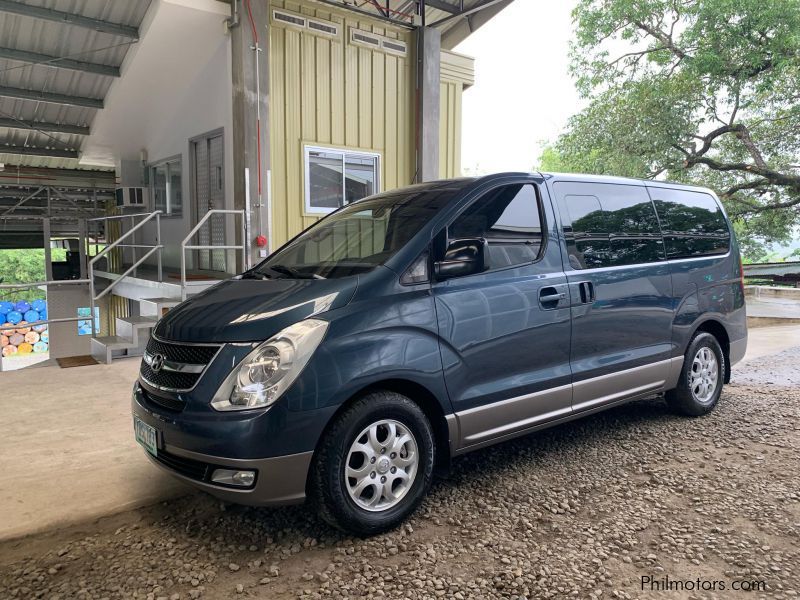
x: 700, y: 383
x: 374, y: 465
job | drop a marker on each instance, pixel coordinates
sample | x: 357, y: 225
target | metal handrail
x: 126, y: 273
x: 44, y: 322
x: 14, y: 286
x: 185, y: 243
x: 118, y: 244
x: 115, y: 217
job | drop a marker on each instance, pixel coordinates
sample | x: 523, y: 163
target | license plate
x: 146, y: 435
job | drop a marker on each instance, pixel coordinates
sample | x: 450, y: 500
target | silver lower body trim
x: 622, y: 384
x: 485, y: 425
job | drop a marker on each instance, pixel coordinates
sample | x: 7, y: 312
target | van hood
x: 251, y: 310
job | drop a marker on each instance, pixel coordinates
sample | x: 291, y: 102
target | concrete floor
x: 67, y: 453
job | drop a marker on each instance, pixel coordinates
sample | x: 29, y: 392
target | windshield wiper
x: 292, y: 272
x: 255, y: 275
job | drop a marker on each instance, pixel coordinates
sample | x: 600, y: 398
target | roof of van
x: 623, y: 181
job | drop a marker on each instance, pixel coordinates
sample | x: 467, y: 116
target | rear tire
x: 374, y: 465
x: 701, y: 380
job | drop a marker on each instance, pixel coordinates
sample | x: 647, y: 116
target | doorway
x: 208, y: 193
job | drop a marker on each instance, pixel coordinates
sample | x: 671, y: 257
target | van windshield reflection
x: 352, y: 240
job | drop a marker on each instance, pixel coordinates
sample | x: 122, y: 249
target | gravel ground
x: 584, y: 510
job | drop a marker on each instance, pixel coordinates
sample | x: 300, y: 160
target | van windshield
x: 356, y: 238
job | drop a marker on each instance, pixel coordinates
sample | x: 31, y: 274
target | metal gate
x: 209, y: 193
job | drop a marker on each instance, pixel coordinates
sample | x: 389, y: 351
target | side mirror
x: 465, y: 256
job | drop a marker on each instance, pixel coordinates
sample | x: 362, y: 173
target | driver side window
x: 509, y: 218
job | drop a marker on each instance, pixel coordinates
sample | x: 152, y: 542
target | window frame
x: 570, y: 240
x: 318, y: 211
x: 668, y: 233
x: 480, y: 194
x: 151, y: 167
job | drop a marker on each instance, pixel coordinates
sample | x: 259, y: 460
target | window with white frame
x: 336, y: 177
x: 166, y: 186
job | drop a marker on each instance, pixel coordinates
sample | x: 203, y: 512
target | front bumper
x: 279, y: 480
x: 192, y: 444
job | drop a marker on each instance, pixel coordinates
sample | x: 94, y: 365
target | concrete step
x: 129, y: 327
x: 156, y: 307
x: 105, y: 347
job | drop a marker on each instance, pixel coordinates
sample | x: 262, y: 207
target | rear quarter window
x: 608, y: 224
x: 692, y: 222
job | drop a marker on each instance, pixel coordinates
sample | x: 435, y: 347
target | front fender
x: 371, y: 341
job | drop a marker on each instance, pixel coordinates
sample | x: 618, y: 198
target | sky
x: 523, y: 94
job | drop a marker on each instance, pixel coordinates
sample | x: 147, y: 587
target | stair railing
x: 185, y: 243
x: 153, y: 249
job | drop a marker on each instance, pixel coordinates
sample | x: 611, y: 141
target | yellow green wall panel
x: 326, y: 91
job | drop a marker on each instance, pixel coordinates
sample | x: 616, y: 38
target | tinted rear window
x: 608, y: 224
x: 693, y: 223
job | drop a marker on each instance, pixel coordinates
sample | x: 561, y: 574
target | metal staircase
x: 133, y: 332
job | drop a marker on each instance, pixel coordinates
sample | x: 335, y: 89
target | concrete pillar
x: 250, y: 79
x: 427, y: 134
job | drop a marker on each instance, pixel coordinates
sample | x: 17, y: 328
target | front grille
x: 186, y: 354
x: 182, y: 353
x: 194, y: 469
x: 168, y: 379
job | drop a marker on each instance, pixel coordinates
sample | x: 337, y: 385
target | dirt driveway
x: 618, y: 505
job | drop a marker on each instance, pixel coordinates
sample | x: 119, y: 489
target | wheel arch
x: 718, y: 330
x: 422, y: 397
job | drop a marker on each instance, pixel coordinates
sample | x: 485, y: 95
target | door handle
x: 581, y: 293
x: 544, y: 298
x: 550, y: 297
x: 586, y: 289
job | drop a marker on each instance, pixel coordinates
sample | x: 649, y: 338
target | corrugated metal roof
x: 456, y: 27
x: 22, y: 32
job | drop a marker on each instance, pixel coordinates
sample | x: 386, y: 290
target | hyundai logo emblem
x: 157, y: 362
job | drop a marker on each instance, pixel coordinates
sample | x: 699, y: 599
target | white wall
x: 175, y: 85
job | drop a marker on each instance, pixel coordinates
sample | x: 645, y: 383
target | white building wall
x: 175, y: 85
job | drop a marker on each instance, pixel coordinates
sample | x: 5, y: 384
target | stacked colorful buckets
x: 17, y: 335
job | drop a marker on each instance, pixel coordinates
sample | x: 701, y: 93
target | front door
x: 621, y: 291
x: 505, y: 332
x: 209, y: 193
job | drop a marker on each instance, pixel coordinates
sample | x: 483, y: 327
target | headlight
x: 270, y: 369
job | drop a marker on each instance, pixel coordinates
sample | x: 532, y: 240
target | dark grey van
x: 419, y: 324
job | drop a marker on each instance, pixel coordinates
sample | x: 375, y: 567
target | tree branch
x: 743, y: 134
x: 638, y: 54
x: 662, y: 37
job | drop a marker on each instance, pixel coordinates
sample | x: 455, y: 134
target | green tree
x: 24, y: 266
x: 704, y: 92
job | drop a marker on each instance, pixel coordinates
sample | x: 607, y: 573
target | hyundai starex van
x: 422, y: 323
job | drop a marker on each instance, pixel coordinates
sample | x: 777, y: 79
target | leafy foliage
x: 25, y: 266
x: 700, y: 92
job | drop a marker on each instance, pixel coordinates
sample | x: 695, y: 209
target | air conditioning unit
x: 131, y: 196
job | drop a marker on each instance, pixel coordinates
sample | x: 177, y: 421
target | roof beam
x: 58, y: 62
x: 465, y: 13
x: 48, y: 14
x: 50, y: 97
x: 36, y: 151
x: 442, y: 5
x: 43, y: 126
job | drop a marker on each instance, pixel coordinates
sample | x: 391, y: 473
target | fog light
x: 233, y: 477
